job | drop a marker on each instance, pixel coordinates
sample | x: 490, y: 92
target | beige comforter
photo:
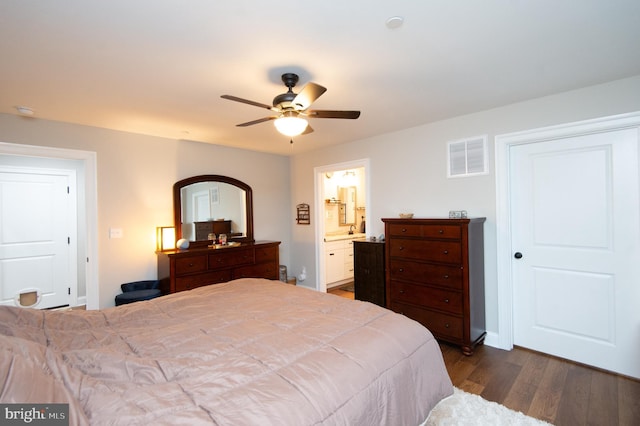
x: 247, y: 352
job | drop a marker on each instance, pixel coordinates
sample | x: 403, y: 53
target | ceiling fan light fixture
x: 290, y: 124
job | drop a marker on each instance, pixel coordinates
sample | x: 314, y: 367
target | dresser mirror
x: 208, y: 204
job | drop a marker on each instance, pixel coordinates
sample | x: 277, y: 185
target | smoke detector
x: 24, y: 110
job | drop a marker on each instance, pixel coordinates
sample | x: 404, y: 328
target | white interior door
x: 575, y: 222
x: 201, y: 206
x: 37, y: 229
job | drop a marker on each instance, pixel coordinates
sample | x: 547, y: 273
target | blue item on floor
x: 137, y: 291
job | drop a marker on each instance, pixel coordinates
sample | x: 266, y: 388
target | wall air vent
x: 467, y: 157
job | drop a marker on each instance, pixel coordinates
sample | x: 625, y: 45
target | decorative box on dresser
x: 435, y: 275
x: 368, y: 275
x: 180, y: 270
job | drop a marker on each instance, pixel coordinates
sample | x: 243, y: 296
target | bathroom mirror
x: 347, y: 197
x: 212, y: 204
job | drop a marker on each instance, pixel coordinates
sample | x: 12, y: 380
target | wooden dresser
x: 435, y: 275
x: 368, y: 272
x: 180, y: 270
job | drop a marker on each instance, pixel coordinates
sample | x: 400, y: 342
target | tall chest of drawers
x: 435, y: 275
x: 181, y: 270
x: 368, y: 271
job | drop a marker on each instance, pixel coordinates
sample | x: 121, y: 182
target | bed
x: 246, y: 352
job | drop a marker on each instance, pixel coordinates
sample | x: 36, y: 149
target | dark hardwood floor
x: 545, y: 387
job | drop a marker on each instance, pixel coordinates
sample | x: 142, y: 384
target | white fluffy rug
x: 462, y: 409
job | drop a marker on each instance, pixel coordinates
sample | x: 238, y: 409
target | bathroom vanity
x: 338, y: 252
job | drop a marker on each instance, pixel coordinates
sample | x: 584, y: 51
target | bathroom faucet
x: 351, y: 228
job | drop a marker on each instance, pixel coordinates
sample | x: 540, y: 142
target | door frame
x: 90, y: 204
x: 503, y: 144
x: 319, y: 173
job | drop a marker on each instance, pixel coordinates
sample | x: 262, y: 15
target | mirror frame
x: 177, y: 206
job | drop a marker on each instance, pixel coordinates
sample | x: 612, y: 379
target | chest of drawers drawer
x: 263, y: 270
x: 436, y: 251
x: 266, y: 254
x: 222, y: 258
x: 187, y: 265
x: 198, y: 280
x: 448, y: 327
x: 425, y: 231
x: 428, y: 297
x: 429, y: 273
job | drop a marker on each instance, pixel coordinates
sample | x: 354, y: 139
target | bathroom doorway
x: 342, y: 199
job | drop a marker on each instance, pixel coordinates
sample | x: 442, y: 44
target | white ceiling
x: 158, y: 67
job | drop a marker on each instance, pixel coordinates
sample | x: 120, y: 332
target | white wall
x: 136, y: 174
x: 408, y: 168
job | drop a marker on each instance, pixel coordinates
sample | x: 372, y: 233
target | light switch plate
x: 115, y: 233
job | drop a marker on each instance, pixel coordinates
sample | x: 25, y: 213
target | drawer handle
x: 401, y: 248
x: 190, y: 265
x: 446, y: 252
x: 446, y: 300
x: 404, y: 229
x: 446, y: 325
x: 446, y: 277
x: 331, y: 254
x: 401, y: 291
x: 441, y: 231
x: 401, y: 270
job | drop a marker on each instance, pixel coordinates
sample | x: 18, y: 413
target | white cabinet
x: 334, y: 261
x: 338, y: 261
x: 348, y: 259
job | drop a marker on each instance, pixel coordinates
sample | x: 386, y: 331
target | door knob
x: 518, y: 255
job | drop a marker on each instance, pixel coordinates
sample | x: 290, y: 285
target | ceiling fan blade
x: 308, y: 95
x: 260, y: 120
x: 246, y: 101
x: 324, y: 113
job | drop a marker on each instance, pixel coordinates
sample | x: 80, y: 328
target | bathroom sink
x: 345, y: 236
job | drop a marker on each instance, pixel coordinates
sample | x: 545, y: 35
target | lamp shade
x: 165, y: 238
x: 290, y: 124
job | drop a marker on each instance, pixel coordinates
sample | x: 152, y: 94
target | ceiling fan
x: 292, y: 108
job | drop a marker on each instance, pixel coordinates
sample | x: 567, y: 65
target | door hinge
x: 68, y: 190
x: 69, y: 291
x: 69, y: 240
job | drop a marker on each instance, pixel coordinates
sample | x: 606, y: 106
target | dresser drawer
x: 429, y: 250
x: 268, y: 270
x: 266, y: 254
x: 443, y: 275
x: 226, y: 257
x: 194, y: 281
x: 441, y: 325
x: 191, y: 264
x: 450, y: 232
x: 429, y: 297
